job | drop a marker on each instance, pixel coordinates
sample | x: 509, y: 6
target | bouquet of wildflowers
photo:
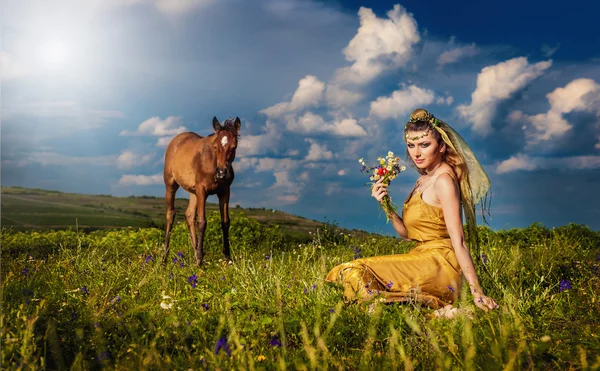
x: 387, y: 169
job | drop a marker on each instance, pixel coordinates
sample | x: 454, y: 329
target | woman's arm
x: 447, y: 192
x: 379, y: 191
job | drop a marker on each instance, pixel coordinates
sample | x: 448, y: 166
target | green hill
x: 38, y: 209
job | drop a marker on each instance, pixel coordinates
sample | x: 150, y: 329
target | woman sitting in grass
x: 431, y: 272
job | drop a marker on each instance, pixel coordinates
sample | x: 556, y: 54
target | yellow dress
x: 429, y: 273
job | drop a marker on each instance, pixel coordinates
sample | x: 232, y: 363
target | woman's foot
x: 450, y: 312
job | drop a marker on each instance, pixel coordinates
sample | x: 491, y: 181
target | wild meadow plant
x: 106, y: 299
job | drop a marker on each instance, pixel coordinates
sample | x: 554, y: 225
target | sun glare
x: 55, y: 53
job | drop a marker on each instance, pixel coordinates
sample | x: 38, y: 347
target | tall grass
x: 105, y: 300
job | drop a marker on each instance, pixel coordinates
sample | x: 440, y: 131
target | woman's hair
x: 450, y: 156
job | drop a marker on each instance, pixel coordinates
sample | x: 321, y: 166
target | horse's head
x: 225, y: 144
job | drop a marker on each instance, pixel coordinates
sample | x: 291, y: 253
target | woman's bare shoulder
x: 445, y: 182
x: 446, y: 171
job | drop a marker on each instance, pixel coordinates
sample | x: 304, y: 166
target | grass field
x: 105, y: 300
x: 38, y: 209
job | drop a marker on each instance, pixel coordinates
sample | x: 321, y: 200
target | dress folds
x: 428, y: 274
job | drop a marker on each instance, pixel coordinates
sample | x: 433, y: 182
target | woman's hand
x: 483, y: 302
x: 379, y: 190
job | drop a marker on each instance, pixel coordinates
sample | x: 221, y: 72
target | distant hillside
x: 31, y: 209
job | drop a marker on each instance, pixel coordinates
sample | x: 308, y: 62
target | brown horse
x: 201, y: 166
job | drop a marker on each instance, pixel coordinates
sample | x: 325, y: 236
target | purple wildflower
x: 171, y: 275
x: 84, y: 290
x: 115, y: 300
x: 564, y: 285
x: 331, y: 310
x: 27, y: 301
x: 180, y: 254
x: 193, y: 280
x: 149, y: 258
x: 222, y: 278
x: 275, y: 342
x: 356, y: 252
x: 205, y: 306
x: 181, y: 264
x: 104, y: 356
x: 450, y: 288
x: 25, y: 271
x: 389, y: 285
x: 174, y: 260
x: 306, y: 290
x: 484, y: 258
x: 222, y: 344
x: 268, y: 257
x: 314, y: 287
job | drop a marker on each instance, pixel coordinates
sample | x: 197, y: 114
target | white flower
x: 166, y: 306
x: 360, y: 160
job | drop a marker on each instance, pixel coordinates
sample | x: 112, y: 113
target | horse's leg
x: 190, y: 218
x: 171, y: 189
x: 201, y: 202
x: 224, y: 209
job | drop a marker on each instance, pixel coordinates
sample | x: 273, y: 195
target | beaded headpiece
x: 417, y: 118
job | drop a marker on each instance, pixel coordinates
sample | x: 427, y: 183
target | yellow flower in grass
x: 261, y: 358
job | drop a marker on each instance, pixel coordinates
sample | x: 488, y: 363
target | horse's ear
x: 237, y: 125
x: 216, y: 125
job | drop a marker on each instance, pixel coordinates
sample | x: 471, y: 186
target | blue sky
x: 93, y: 90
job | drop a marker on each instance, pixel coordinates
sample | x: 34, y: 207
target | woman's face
x: 425, y: 152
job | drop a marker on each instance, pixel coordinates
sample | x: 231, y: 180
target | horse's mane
x: 228, y: 125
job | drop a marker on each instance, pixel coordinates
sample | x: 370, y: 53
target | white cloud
x: 447, y: 101
x: 518, y: 162
x: 317, y: 152
x: 141, y: 179
x: 379, y: 44
x: 456, y: 54
x: 129, y: 159
x: 401, y: 102
x: 342, y: 172
x: 309, y: 94
x: 253, y: 145
x: 495, y: 84
x: 10, y: 68
x: 527, y: 163
x: 338, y: 97
x: 578, y: 95
x: 311, y: 123
x: 285, y: 190
x: 157, y: 127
